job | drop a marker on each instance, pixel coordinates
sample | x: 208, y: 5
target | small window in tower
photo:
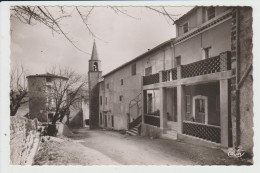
x: 120, y: 98
x: 95, y: 66
x: 107, y: 85
x: 122, y: 81
x: 48, y: 79
x: 100, y: 100
x: 106, y: 100
x: 185, y: 27
x: 211, y: 12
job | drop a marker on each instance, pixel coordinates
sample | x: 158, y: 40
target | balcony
x: 151, y: 79
x: 203, y: 67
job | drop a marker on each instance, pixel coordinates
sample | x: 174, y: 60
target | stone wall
x: 245, y: 79
x: 23, y: 138
x: 241, y: 82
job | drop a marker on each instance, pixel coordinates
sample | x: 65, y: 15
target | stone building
x: 41, y: 106
x: 195, y: 87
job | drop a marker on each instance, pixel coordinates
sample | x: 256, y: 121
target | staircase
x: 133, y: 131
x: 134, y: 126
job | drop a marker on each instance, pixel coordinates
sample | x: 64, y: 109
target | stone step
x: 169, y: 136
x: 133, y: 130
x: 173, y: 128
x: 131, y: 133
x: 171, y: 132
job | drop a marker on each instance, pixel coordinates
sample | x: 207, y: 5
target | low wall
x: 151, y: 131
x: 23, y: 140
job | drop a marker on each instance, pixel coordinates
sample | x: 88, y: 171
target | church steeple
x: 94, y: 75
x: 94, y: 55
x: 94, y: 62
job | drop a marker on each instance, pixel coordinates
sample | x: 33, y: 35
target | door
x: 150, y: 103
x: 200, y: 110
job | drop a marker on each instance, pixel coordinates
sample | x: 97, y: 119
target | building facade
x: 195, y: 87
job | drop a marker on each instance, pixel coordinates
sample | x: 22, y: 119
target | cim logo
x: 236, y: 153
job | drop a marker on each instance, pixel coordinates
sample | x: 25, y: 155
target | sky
x: 120, y: 38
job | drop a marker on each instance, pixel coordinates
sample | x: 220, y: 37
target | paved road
x: 137, y: 150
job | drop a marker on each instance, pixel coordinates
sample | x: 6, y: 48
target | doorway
x: 200, y: 109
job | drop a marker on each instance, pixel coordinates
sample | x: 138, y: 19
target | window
x: 185, y: 27
x: 120, y: 98
x: 107, y: 85
x: 50, y: 116
x: 206, y: 53
x: 178, y: 60
x: 201, y: 106
x: 100, y: 100
x: 187, y: 103
x: 106, y: 100
x: 48, y: 79
x: 112, y: 120
x: 211, y: 12
x: 122, y: 81
x: 150, y: 103
x: 134, y: 69
x: 148, y: 71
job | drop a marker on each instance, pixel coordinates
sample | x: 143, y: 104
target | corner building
x: 191, y: 87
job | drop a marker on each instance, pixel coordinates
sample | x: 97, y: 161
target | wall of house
x: 196, y: 18
x: 131, y: 88
x: 37, y: 98
x: 211, y: 91
x: 218, y: 38
x: 192, y: 20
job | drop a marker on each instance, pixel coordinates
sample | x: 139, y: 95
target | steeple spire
x: 94, y: 55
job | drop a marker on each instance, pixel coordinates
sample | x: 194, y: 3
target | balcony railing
x: 151, y: 79
x: 152, y: 120
x: 207, y: 66
x: 169, y: 75
x: 208, y: 132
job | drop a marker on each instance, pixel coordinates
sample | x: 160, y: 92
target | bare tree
x: 18, y: 88
x: 64, y: 93
x: 52, y: 17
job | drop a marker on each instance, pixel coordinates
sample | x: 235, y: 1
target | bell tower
x: 94, y: 74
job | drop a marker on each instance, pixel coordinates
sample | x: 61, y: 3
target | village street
x: 100, y: 147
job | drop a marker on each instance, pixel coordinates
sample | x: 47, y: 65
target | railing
x: 135, y: 122
x: 208, y: 132
x: 206, y: 66
x: 152, y: 120
x: 151, y: 79
x: 169, y: 75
